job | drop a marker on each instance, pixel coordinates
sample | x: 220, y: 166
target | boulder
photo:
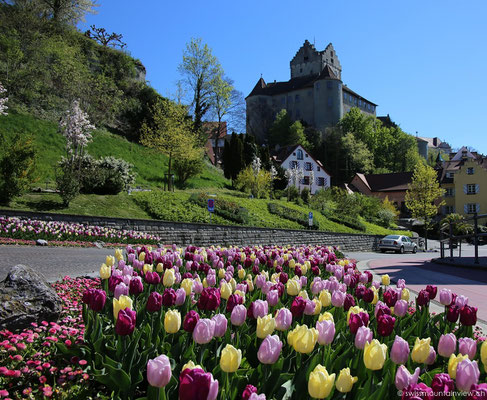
x: 25, y: 297
x: 41, y: 242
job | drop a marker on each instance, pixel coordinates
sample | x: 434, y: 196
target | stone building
x: 315, y: 94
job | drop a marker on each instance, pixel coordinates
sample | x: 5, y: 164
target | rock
x: 25, y: 297
x: 41, y: 242
x: 100, y: 245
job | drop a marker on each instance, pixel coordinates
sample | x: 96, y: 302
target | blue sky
x: 422, y: 62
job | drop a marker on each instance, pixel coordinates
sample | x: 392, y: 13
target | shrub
x: 187, y: 168
x: 224, y: 208
x: 292, y: 215
x: 305, y: 195
x: 258, y: 184
x: 67, y: 184
x: 292, y: 193
x: 347, y: 221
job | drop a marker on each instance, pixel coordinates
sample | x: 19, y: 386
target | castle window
x: 317, y: 168
x: 328, y: 84
x: 317, y: 85
x: 283, y: 101
x: 360, y: 103
x: 332, y: 60
x: 300, y: 154
x: 289, y: 100
x: 330, y: 101
x: 305, y: 58
x: 296, y: 98
x: 300, y: 70
x: 305, y: 180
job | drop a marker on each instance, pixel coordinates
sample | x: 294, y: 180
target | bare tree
x: 106, y: 39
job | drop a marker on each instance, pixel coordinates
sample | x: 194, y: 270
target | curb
x: 447, y: 261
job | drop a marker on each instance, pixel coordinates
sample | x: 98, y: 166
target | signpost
x: 211, y: 207
x: 310, y: 219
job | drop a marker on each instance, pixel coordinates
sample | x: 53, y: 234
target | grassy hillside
x: 149, y: 164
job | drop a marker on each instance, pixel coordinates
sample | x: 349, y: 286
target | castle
x: 315, y: 94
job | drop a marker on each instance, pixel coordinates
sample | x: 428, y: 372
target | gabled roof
x: 284, y: 152
x: 396, y: 181
x: 347, y: 89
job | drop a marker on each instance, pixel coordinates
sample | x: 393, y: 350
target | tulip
x: 432, y: 290
x: 187, y: 285
x: 196, y: 384
x: 255, y: 396
x: 401, y: 284
x: 159, y: 371
x: 325, y: 298
x: 320, y: 383
x: 120, y: 289
x: 272, y: 297
x: 478, y: 392
x: 418, y: 391
x: 265, y: 326
x: 110, y: 261
x: 209, y: 299
x: 309, y: 308
x: 483, y: 354
x: 385, y: 325
x: 239, y: 314
x: 283, y: 319
x: 381, y: 308
x: 461, y: 301
x: 368, y: 295
x: 447, y: 345
x: 225, y: 290
x: 467, y: 374
x: 169, y: 277
x: 190, y: 320
x: 441, y: 385
x: 421, y: 350
x: 258, y: 308
x: 270, y: 350
x: 123, y: 302
x: 180, y: 297
x: 172, y: 321
x: 204, y: 331
x: 431, y: 356
x: 446, y: 297
x: 399, y: 351
x: 357, y: 320
x: 423, y: 298
x: 220, y: 324
x: 105, y: 271
x: 467, y: 346
x: 230, y: 359
x: 453, y: 364
x: 390, y: 297
x: 468, y: 315
x: 125, y: 324
x: 345, y: 381
x: 249, y: 391
x: 298, y: 306
x: 191, y: 365
x: 405, y: 294
x: 404, y: 378
x: 326, y: 316
x: 136, y: 286
x: 169, y: 297
x: 293, y: 287
x: 452, y: 313
x: 303, y: 339
x: 375, y: 355
x: 364, y: 335
x: 386, y: 280
x: 326, y: 331
x: 337, y: 298
x: 154, y: 302
x: 401, y: 308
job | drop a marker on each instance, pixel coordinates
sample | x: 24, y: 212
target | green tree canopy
x: 285, y: 132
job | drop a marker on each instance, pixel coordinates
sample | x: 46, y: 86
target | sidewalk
x: 462, y: 262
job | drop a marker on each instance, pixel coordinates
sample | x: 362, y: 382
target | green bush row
x: 347, y: 221
x: 224, y: 208
x: 292, y: 215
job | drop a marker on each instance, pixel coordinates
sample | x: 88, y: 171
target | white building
x: 302, y: 169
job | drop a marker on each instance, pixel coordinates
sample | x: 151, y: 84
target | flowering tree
x: 3, y: 100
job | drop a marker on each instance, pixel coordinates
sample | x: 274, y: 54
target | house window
x: 449, y: 174
x: 321, y: 181
x: 470, y: 171
x: 317, y: 168
x: 300, y: 154
x: 449, y: 192
x: 471, y: 189
x: 305, y: 155
x: 471, y: 208
x: 305, y: 180
x: 449, y: 209
x: 328, y: 84
x: 308, y: 166
x: 293, y: 164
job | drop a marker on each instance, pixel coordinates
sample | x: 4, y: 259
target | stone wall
x: 207, y: 234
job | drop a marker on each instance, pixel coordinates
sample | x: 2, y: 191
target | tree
x: 170, y: 133
x: 233, y: 159
x: 3, y: 100
x: 106, y: 39
x: 250, y: 150
x: 459, y: 227
x: 69, y: 11
x: 236, y: 118
x: 285, y: 132
x: 186, y: 168
x: 356, y: 155
x: 423, y: 194
x: 200, y: 70
x: 220, y: 104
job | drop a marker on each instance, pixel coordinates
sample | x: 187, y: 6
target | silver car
x: 397, y: 243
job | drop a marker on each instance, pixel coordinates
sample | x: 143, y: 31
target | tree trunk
x: 169, y: 180
x: 425, y: 236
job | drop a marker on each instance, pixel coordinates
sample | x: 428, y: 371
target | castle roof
x: 348, y: 90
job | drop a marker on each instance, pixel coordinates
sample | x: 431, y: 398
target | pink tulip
x: 447, y: 345
x: 120, y: 289
x: 326, y: 331
x: 467, y: 375
x: 399, y: 351
x: 239, y: 314
x: 272, y: 297
x: 180, y: 297
x: 337, y: 298
x: 204, y: 331
x: 431, y: 356
x: 220, y: 325
x: 401, y: 308
x: 283, y: 319
x: 269, y: 350
x: 467, y: 347
x: 446, y: 297
x: 159, y: 371
x: 363, y: 336
x: 404, y: 378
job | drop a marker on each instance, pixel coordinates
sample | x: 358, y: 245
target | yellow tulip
x: 285, y: 257
x: 354, y: 310
x: 275, y: 277
x: 221, y: 273
x: 242, y: 257
x: 250, y: 285
x: 169, y: 277
x: 187, y: 285
x: 326, y: 316
x: 172, y: 321
x: 205, y: 283
x: 320, y: 383
x: 303, y: 294
x: 265, y: 326
x: 483, y: 353
x: 275, y: 263
x: 303, y: 339
x: 241, y: 273
x: 119, y: 254
x: 421, y: 350
x: 146, y: 268
x: 317, y: 306
x: 142, y: 256
x: 304, y: 268
x: 122, y: 303
x: 191, y: 365
x: 160, y: 267
x: 226, y: 290
x: 105, y: 271
x: 293, y: 287
x: 233, y: 282
x: 110, y: 261
x: 375, y: 355
x: 405, y: 294
x: 230, y: 359
x: 453, y: 364
x: 345, y: 381
x: 292, y: 263
x: 376, y: 295
x: 386, y: 280
x: 325, y: 298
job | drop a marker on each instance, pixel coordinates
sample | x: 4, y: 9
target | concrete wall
x: 207, y: 235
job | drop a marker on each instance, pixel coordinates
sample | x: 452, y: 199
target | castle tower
x: 309, y: 61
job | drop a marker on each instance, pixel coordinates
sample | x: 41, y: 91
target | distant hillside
x: 44, y: 66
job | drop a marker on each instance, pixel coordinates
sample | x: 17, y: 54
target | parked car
x: 397, y: 243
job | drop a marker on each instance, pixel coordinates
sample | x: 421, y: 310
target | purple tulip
x: 431, y: 356
x: 467, y: 346
x: 284, y: 319
x: 418, y: 391
x: 461, y: 301
x: 357, y: 320
x: 337, y: 298
x: 232, y: 301
x: 269, y: 350
x: 423, y: 298
x: 452, y: 313
x: 390, y: 297
x: 239, y: 314
x: 381, y: 308
x: 152, y: 278
x: 399, y: 351
x: 446, y: 297
x: 442, y: 385
x: 220, y: 324
x: 272, y: 297
x: 180, y: 297
x: 298, y: 306
x: 363, y: 336
x: 467, y: 375
x: 204, y: 331
x: 468, y: 315
x: 401, y: 308
x: 125, y: 324
x: 196, y: 384
x: 326, y: 331
x: 310, y: 307
x: 169, y: 297
x: 154, y: 302
x: 432, y: 290
x: 349, y: 302
x: 385, y: 325
x: 190, y: 320
x: 159, y: 371
x: 478, y: 392
x: 447, y: 345
x: 404, y: 378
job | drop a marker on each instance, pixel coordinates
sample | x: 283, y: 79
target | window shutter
x: 465, y: 208
x: 465, y: 189
x: 477, y: 207
x: 477, y: 188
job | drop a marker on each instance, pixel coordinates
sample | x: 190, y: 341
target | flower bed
x: 28, y: 229
x: 267, y: 322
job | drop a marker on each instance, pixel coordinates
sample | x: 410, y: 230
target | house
x: 392, y: 185
x: 315, y: 94
x: 216, y: 140
x: 434, y: 143
x: 303, y: 169
x: 464, y: 179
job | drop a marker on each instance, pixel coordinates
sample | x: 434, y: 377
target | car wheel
x: 382, y: 250
x: 415, y: 249
x: 401, y: 250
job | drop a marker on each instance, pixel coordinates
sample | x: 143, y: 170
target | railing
x: 451, y: 237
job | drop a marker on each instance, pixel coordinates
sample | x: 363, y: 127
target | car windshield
x: 393, y: 237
